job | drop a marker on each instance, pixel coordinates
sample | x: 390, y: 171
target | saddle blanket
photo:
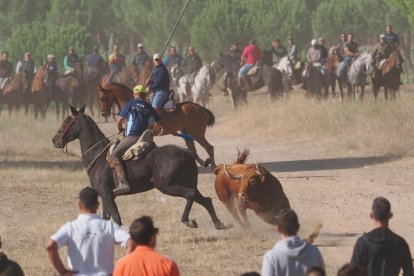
x: 138, y: 150
x: 255, y: 70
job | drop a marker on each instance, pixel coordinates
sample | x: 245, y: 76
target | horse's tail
x: 210, y: 117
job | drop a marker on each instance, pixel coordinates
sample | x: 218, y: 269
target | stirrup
x: 122, y: 188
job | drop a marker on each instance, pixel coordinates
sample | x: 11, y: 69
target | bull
x: 241, y: 186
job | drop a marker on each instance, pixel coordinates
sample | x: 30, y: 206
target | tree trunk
x: 406, y: 47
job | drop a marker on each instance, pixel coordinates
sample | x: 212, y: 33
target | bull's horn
x: 258, y: 170
x: 230, y: 175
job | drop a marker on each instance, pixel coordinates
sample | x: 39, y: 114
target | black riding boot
x: 123, y: 185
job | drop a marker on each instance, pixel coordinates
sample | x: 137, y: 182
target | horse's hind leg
x: 206, y: 202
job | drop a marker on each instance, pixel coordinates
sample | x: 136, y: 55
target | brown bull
x: 240, y: 186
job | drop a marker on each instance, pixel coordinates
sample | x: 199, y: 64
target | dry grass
x: 39, y: 184
x: 379, y: 127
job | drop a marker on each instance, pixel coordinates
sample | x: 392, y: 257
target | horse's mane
x: 95, y: 127
x: 120, y: 85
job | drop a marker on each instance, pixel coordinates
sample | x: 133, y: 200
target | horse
x: 232, y: 68
x: 357, y: 76
x: 128, y: 76
x: 314, y: 80
x: 94, y: 77
x: 203, y: 82
x: 16, y: 92
x: 330, y: 66
x: 39, y: 95
x: 387, y: 76
x: 284, y: 66
x: 188, y: 120
x: 175, y: 76
x: 170, y: 169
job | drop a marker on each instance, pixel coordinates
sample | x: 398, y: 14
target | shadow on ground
x: 279, y: 166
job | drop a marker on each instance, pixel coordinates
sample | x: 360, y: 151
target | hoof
x: 221, y: 226
x: 191, y: 223
x: 207, y: 162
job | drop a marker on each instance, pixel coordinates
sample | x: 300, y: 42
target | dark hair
x: 251, y: 273
x: 351, y: 34
x: 341, y: 34
x: 253, y: 41
x: 142, y: 229
x: 88, y: 197
x: 316, y: 269
x: 381, y: 209
x: 4, y: 52
x: 288, y: 222
x: 350, y: 270
x: 95, y: 49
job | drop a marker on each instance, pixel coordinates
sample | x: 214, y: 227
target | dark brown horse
x: 387, y: 76
x: 93, y: 79
x: 170, y: 169
x: 39, y: 94
x: 187, y: 120
x: 128, y: 77
x: 330, y: 75
x: 16, y: 91
x: 267, y: 76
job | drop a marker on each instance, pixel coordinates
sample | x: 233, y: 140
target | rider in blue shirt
x: 138, y: 114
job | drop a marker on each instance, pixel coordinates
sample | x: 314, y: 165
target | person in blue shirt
x: 137, y: 113
x: 159, y: 84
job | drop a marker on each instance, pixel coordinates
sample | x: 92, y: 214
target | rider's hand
x: 121, y: 130
x: 148, y: 82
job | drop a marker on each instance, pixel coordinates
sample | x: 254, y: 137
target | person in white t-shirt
x: 90, y: 240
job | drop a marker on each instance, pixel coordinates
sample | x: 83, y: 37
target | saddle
x: 138, y: 150
x: 254, y: 70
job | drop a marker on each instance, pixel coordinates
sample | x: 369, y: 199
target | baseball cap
x: 314, y: 42
x: 382, y: 35
x: 140, y: 45
x: 156, y: 56
x: 139, y: 89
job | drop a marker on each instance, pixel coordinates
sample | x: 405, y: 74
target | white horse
x: 199, y: 89
x: 285, y: 67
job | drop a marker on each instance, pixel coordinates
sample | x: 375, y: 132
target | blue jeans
x: 160, y: 98
x: 347, y: 60
x: 244, y: 69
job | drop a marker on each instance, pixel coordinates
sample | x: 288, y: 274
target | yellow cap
x: 139, y: 89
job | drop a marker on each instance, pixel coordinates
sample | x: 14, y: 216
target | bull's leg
x: 243, y: 215
x: 267, y: 218
x: 233, y: 211
x: 209, y: 148
x: 207, y: 203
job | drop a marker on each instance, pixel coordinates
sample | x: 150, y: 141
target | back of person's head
x: 142, y: 230
x: 253, y: 41
x: 288, y: 222
x: 88, y: 197
x: 315, y: 271
x: 381, y: 209
x: 350, y: 270
x: 252, y: 273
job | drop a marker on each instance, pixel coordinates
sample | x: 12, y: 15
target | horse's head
x: 69, y: 130
x: 105, y: 100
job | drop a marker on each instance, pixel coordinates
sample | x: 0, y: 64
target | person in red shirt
x: 144, y: 260
x: 251, y: 55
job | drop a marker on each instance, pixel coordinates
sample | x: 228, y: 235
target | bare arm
x: 130, y: 246
x: 349, y: 53
x: 53, y: 254
x: 119, y: 124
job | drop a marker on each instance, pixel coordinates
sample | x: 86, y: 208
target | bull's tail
x: 242, y: 156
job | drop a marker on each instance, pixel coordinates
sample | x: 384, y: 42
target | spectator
x: 90, y: 240
x: 381, y: 252
x: 315, y: 271
x: 351, y: 270
x: 291, y: 255
x: 8, y: 267
x: 145, y: 260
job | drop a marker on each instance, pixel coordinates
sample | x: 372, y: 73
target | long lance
x: 171, y: 34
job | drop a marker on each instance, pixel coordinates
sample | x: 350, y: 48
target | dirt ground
x: 38, y: 194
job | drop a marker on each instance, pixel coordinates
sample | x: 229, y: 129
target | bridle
x: 62, y: 133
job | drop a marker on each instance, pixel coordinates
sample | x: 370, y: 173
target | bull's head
x: 250, y: 181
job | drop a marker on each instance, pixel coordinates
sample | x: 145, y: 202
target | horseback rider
x: 251, y: 55
x: 160, y: 84
x: 139, y: 58
x: 324, y: 50
x: 341, y: 45
x: 6, y: 68
x: 277, y: 50
x: 95, y: 63
x: 116, y: 63
x: 191, y: 65
x: 314, y: 56
x: 293, y: 52
x: 52, y: 73
x: 70, y: 61
x: 234, y: 54
x: 28, y: 67
x: 137, y: 114
x: 382, y: 51
x: 351, y: 52
x: 173, y: 59
x: 393, y: 40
